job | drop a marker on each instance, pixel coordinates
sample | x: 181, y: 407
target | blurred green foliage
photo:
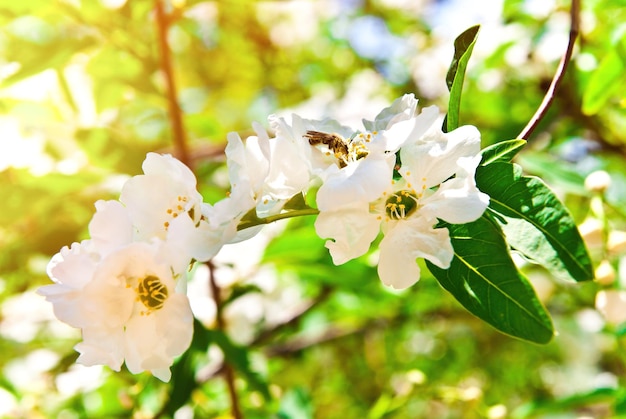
x: 83, y: 99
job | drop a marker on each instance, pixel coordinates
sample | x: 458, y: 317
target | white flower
x: 164, y: 203
x: 437, y: 182
x: 264, y: 174
x: 126, y: 303
x: 270, y: 168
x: 124, y: 295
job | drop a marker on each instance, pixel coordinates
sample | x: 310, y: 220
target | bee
x: 335, y: 142
x: 345, y: 150
x: 152, y: 292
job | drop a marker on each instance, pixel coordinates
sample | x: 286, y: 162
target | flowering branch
x: 558, y: 76
x: 178, y: 132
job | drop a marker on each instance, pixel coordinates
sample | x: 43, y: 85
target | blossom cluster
x: 399, y: 175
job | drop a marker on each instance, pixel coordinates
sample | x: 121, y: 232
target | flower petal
x: 404, y: 242
x: 73, y: 266
x: 169, y: 167
x: 362, y: 181
x: 152, y: 341
x: 247, y: 162
x: 187, y: 241
x: 401, y: 109
x: 289, y: 171
x: 434, y: 158
x: 110, y: 227
x: 101, y: 346
x: 411, y: 130
x: 458, y: 200
x: 352, y: 229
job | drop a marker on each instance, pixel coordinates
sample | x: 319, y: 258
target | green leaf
x: 555, y: 171
x: 538, y: 225
x: 463, y: 46
x: 551, y: 407
x: 606, y: 80
x: 503, y: 151
x: 296, y: 404
x: 484, y: 279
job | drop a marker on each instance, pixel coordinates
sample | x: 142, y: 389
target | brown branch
x: 330, y: 334
x: 175, y: 114
x: 558, y: 76
x: 295, y: 317
x: 226, y: 369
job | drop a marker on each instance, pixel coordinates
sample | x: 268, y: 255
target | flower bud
x: 591, y: 232
x: 616, y: 242
x: 612, y: 305
x: 598, y: 181
x: 605, y: 273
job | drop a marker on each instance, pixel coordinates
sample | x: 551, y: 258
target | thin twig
x: 227, y: 370
x: 178, y: 132
x: 558, y: 76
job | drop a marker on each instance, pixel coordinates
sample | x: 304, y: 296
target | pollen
x: 401, y: 205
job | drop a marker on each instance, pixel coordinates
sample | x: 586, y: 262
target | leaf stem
x: 558, y: 75
x: 271, y: 218
x: 175, y: 114
x: 229, y: 375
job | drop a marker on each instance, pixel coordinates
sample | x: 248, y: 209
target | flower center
x: 152, y: 293
x: 401, y: 204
